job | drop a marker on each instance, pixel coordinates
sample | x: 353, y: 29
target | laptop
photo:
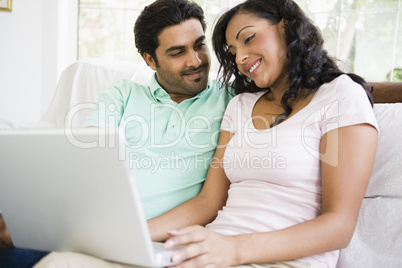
x: 72, y: 191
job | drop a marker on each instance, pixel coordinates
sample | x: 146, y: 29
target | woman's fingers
x: 203, y: 248
x: 185, y: 236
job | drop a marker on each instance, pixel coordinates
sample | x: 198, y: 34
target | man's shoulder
x: 128, y: 84
x: 215, y: 86
x: 128, y: 87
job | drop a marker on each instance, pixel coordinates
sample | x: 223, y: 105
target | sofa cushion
x: 143, y: 73
x: 386, y: 178
x: 377, y: 240
x: 78, y: 87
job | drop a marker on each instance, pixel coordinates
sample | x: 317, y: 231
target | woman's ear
x: 282, y: 27
x: 150, y: 61
x: 285, y: 22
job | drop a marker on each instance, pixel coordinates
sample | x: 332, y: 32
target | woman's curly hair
x: 308, y: 64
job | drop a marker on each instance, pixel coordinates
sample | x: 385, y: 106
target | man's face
x: 183, y: 59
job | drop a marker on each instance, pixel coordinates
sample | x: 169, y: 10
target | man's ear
x: 150, y: 61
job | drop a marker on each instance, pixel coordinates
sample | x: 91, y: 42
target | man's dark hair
x: 159, y: 15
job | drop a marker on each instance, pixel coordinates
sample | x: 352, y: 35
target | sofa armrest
x: 9, y: 125
x: 387, y: 92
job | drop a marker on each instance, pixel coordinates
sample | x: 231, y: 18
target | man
x: 171, y: 124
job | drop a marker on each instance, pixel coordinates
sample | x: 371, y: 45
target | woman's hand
x: 205, y: 248
x: 5, y: 239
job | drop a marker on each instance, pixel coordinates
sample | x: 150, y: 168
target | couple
x: 291, y: 102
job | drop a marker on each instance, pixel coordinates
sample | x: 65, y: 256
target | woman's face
x: 259, y: 47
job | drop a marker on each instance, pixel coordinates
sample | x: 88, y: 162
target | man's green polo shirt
x: 170, y: 145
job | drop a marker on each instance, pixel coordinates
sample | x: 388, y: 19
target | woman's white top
x: 275, y: 173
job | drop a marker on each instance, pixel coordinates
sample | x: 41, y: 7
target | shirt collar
x: 157, y: 92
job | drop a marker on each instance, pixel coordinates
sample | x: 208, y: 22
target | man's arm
x: 5, y: 239
x: 203, y: 208
x: 387, y: 92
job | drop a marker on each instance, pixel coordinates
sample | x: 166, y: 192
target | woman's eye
x: 248, y: 39
x: 231, y: 50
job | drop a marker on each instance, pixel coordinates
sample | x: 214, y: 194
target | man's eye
x: 178, y: 53
x: 199, y: 46
x: 249, y: 39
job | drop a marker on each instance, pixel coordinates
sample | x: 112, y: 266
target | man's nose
x: 194, y: 59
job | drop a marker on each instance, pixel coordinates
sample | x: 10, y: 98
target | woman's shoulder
x: 343, y: 87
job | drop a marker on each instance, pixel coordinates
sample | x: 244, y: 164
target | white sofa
x: 377, y: 241
x: 78, y: 86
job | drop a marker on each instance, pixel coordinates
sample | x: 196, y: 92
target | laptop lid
x: 63, y: 191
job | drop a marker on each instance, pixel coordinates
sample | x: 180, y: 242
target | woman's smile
x: 252, y: 66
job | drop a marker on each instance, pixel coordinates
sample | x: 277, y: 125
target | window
x: 363, y: 34
x: 105, y: 28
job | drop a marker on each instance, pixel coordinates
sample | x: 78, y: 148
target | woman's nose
x: 241, y: 56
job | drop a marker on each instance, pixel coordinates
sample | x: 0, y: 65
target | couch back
x: 81, y: 83
x: 377, y: 240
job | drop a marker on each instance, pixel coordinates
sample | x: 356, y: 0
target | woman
x: 297, y: 146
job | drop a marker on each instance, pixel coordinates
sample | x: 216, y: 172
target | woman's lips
x: 252, y: 66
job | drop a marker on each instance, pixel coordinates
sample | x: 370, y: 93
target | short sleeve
x: 349, y: 105
x: 108, y: 109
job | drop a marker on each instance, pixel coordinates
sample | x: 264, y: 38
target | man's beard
x: 178, y: 81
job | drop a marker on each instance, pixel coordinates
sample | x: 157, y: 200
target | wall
x: 37, y: 41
